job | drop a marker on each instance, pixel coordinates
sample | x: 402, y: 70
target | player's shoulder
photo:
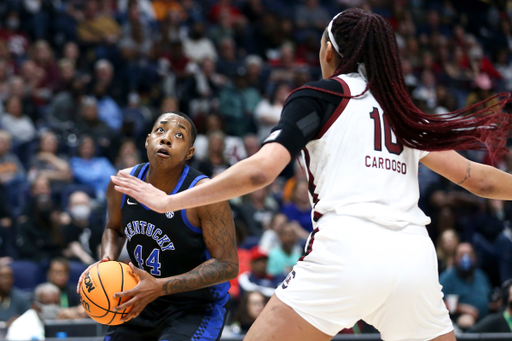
x: 325, y: 89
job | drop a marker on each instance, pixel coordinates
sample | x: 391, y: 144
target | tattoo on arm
x: 468, y: 173
x: 219, y: 236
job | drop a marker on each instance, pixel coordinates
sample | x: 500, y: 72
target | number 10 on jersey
x: 392, y: 147
x: 153, y: 261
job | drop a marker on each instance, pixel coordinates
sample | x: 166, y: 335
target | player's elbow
x: 260, y: 178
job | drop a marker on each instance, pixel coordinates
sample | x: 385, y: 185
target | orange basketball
x: 98, y: 288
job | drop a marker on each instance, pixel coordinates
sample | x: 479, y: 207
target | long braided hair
x: 369, y: 39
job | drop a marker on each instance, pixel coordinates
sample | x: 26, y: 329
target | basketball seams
x: 91, y: 301
x: 103, y: 288
x: 120, y: 298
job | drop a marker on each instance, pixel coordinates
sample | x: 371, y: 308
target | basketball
x: 98, y: 288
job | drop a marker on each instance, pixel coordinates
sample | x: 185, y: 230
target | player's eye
x: 160, y: 129
x: 180, y: 135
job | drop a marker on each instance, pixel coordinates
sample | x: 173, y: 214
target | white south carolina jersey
x: 355, y: 167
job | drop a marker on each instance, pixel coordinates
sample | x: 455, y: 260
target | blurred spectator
x: 426, y: 89
x: 237, y: 103
x: 7, y: 237
x: 4, y: 80
x: 228, y: 61
x: 91, y: 170
x: 311, y: 16
x: 456, y: 69
x: 39, y: 235
x: 83, y: 230
x: 163, y: 7
x: 16, y: 39
x: 284, y: 67
x: 145, y: 8
x: 253, y: 10
x: 11, y: 169
x: 128, y: 155
x: 258, y: 279
x: 104, y: 79
x: 270, y: 238
x: 34, y: 76
x: 215, y: 163
x: 42, y: 55
x: 197, y: 46
x: 251, y: 144
x: 282, y: 258
x: 244, y: 258
x: 483, y: 90
x: 46, y: 163
x: 58, y: 275
x: 62, y: 110
x: 14, y: 301
x: 222, y: 33
x: 471, y: 286
x: 268, y: 112
x: 477, y: 59
x: 90, y: 124
x: 499, y: 322
x: 504, y: 67
x: 504, y: 251
x: 17, y: 89
x: 66, y: 74
x: 446, y: 246
x: 223, y: 6
x: 249, y: 308
x: 257, y: 211
x: 108, y: 110
x: 45, y: 306
x: 299, y: 208
x: 72, y: 52
x: 97, y: 29
x: 255, y: 77
x: 19, y: 125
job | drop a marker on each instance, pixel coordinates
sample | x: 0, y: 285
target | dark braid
x: 369, y: 39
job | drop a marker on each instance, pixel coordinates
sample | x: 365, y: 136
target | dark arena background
x: 82, y: 81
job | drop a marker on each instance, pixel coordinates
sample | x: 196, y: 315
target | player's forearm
x: 491, y: 183
x: 209, y: 273
x: 112, y: 243
x: 244, y: 177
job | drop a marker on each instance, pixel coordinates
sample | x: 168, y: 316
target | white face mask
x: 80, y: 212
x: 49, y: 311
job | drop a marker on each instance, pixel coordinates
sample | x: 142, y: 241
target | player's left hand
x: 146, y: 291
x: 141, y: 191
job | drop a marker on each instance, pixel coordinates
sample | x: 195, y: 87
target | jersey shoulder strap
x: 329, y: 90
x: 191, y: 178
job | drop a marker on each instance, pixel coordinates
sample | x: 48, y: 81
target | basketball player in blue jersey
x: 184, y: 259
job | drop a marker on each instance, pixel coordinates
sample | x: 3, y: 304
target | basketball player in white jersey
x: 360, y: 139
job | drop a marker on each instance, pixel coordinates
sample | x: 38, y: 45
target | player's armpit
x: 219, y: 236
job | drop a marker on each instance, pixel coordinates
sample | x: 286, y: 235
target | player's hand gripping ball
x: 98, y: 288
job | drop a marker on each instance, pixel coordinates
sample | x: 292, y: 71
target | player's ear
x: 329, y: 52
x: 190, y: 153
x: 147, y: 141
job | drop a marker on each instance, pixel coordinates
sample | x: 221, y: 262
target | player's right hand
x: 82, y: 276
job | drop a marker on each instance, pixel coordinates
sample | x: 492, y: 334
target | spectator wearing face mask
x: 81, y: 233
x: 470, y: 284
x: 500, y: 322
x: 30, y: 325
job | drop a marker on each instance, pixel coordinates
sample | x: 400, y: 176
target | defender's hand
x: 145, y: 292
x: 141, y: 191
x: 82, y: 276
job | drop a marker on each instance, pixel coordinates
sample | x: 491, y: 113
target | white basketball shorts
x: 355, y: 269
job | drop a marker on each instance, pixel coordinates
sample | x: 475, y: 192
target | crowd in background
x: 81, y: 82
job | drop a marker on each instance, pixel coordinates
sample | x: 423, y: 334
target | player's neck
x: 164, y: 180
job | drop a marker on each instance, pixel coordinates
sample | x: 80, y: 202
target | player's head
x: 171, y: 140
x: 359, y: 41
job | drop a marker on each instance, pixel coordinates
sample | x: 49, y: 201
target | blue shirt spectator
x: 299, y: 209
x: 90, y: 170
x: 108, y: 110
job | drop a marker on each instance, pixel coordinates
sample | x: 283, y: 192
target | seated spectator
x: 257, y: 211
x: 33, y: 76
x: 251, y: 144
x: 61, y: 112
x: 299, y: 208
x: 249, y: 308
x: 228, y: 62
x: 16, y: 39
x: 4, y: 80
x: 82, y: 230
x: 108, y: 110
x: 39, y: 235
x: 282, y: 258
x: 14, y: 302
x: 446, y: 246
x: 91, y: 125
x: 135, y: 116
x: 244, y: 259
x: 128, y: 155
x: 270, y: 238
x: 255, y: 76
x: 237, y: 103
x: 483, y: 90
x: 91, y: 170
x: 12, y: 173
x: 498, y: 322
x: 7, y: 237
x: 268, y: 112
x: 215, y: 163
x: 197, y: 46
x: 258, y: 279
x: 312, y: 16
x: 42, y: 55
x: 163, y: 7
x: 17, y: 89
x: 19, y: 125
x: 66, y: 74
x: 46, y: 162
x: 104, y: 77
x: 58, y: 275
x: 45, y: 306
x: 504, y: 251
x: 470, y: 284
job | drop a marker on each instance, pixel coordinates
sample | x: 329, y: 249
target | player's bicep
x: 218, y: 229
